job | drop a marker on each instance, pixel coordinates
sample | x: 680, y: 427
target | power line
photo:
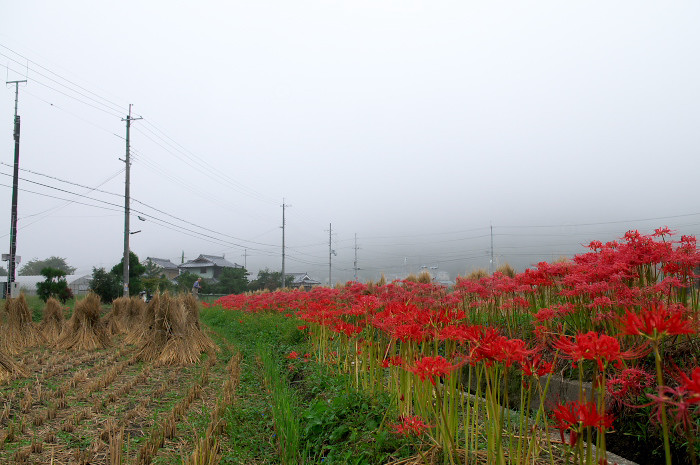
x: 112, y: 105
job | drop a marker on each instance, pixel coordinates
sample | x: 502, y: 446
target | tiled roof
x: 300, y: 278
x: 209, y: 260
x: 163, y: 263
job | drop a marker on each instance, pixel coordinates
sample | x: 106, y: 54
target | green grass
x: 333, y: 423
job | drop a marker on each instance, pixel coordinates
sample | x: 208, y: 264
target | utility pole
x: 354, y: 266
x: 283, y: 225
x: 330, y: 253
x: 491, y: 262
x: 15, y: 179
x: 245, y: 258
x: 128, y: 120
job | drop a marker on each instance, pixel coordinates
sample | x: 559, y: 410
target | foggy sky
x: 416, y: 125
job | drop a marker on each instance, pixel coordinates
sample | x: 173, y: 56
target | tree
x: 34, y: 266
x: 186, y: 280
x: 55, y: 285
x: 136, y: 269
x: 154, y: 280
x: 105, y: 284
x: 269, y: 280
x: 231, y: 281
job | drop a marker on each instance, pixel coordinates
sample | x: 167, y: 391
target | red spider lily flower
x: 679, y: 403
x: 593, y: 346
x: 655, y: 322
x: 431, y: 367
x: 545, y: 314
x: 293, y: 355
x: 692, y: 385
x: 302, y: 328
x: 385, y: 363
x: 534, y: 365
x: 628, y: 384
x: 576, y: 415
x: 665, y: 231
x: 409, y: 426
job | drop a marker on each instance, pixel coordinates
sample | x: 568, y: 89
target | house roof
x: 209, y: 260
x: 163, y: 263
x: 302, y: 278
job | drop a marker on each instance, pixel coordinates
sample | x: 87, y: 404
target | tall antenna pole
x: 127, y: 162
x: 15, y: 179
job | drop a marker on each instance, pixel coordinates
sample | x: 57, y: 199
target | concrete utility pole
x: 127, y: 161
x: 354, y: 266
x: 331, y: 252
x: 491, y: 262
x: 13, y: 215
x: 283, y: 224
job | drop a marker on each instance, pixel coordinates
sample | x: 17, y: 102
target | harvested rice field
x: 133, y: 385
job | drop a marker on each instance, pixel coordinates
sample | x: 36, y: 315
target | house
x: 302, y: 280
x: 78, y: 284
x: 207, y: 266
x: 168, y: 268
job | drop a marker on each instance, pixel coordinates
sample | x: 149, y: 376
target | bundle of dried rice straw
x: 20, y: 331
x: 140, y: 319
x: 8, y: 368
x: 53, y: 321
x: 199, y: 337
x: 170, y: 341
x: 114, y: 320
x: 85, y: 330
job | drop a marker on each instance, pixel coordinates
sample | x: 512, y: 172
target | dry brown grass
x: 507, y: 270
x: 53, y: 321
x: 425, y: 277
x: 19, y: 331
x: 477, y: 274
x: 85, y: 330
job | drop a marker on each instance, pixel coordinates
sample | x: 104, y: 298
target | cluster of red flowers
x: 432, y: 367
x: 410, y: 426
x: 637, y: 286
x: 574, y: 416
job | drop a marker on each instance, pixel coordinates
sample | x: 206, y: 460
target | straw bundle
x: 140, y: 319
x: 53, y: 321
x: 202, y: 342
x: 85, y: 330
x: 134, y: 312
x: 8, y: 368
x: 20, y: 331
x: 114, y: 320
x: 171, y: 340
